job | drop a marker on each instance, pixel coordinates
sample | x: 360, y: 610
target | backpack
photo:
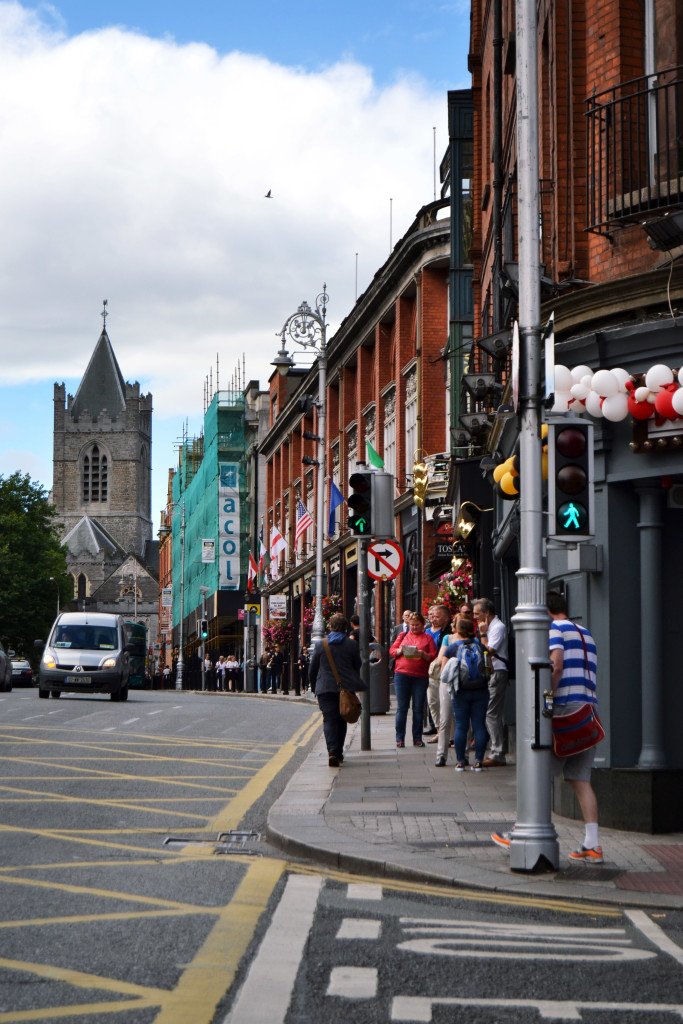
x: 471, y: 664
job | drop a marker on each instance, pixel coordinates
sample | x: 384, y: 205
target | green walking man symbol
x: 571, y: 515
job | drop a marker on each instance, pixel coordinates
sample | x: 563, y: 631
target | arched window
x: 95, y: 474
x: 82, y: 584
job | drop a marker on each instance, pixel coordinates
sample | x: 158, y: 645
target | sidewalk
x: 390, y: 812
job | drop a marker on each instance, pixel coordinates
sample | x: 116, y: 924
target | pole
x: 534, y: 838
x: 364, y: 641
x: 181, y: 656
x: 204, y: 644
x: 318, y: 627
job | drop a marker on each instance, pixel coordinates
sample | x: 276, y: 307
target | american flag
x: 303, y: 520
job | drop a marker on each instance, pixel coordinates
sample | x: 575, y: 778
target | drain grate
x: 234, y: 841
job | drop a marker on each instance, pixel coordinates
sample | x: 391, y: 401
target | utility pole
x: 534, y: 838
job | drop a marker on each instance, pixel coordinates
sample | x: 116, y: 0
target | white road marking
x: 109, y: 728
x: 353, y: 982
x: 359, y: 928
x: 31, y: 717
x: 418, y: 1009
x: 268, y: 987
x: 507, y: 941
x: 129, y: 721
x: 160, y: 712
x: 654, y: 933
x: 363, y: 891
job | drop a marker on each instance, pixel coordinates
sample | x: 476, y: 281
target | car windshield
x: 86, y: 638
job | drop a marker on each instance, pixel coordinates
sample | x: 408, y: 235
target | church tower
x: 102, y: 469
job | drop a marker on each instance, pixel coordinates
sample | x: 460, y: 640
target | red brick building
x: 610, y: 87
x: 387, y: 384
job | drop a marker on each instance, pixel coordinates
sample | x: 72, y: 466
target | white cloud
x: 135, y: 170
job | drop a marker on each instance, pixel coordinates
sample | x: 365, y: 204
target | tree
x: 30, y: 553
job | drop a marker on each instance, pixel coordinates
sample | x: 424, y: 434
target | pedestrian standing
x: 439, y: 627
x: 208, y: 673
x: 469, y: 693
x: 574, y: 660
x: 493, y: 635
x: 413, y: 651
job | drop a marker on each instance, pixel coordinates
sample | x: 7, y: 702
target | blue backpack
x: 471, y: 665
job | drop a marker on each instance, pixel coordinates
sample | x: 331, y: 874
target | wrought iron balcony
x: 634, y: 144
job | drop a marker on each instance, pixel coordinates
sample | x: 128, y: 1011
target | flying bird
x: 268, y: 194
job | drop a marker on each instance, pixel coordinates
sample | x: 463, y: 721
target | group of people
x: 463, y: 676
x: 225, y: 674
x: 420, y: 654
x: 274, y: 671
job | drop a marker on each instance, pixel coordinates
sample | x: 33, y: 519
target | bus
x: 136, y: 638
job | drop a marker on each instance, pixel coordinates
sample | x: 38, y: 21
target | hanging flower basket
x: 278, y: 632
x: 454, y: 588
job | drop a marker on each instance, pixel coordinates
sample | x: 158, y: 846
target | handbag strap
x: 585, y: 649
x: 332, y: 664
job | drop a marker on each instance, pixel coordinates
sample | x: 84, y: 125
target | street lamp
x: 56, y: 582
x: 308, y: 328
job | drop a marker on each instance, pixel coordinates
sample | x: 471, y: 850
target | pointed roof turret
x: 103, y: 386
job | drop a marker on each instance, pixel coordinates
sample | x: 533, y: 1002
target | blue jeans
x: 470, y: 705
x: 409, y: 688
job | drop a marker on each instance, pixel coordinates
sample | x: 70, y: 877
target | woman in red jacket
x: 413, y: 652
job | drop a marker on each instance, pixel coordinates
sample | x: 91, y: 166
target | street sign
x: 385, y: 559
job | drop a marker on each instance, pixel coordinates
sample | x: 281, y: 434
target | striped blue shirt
x: 576, y: 685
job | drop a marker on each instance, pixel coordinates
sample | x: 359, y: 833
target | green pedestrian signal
x: 360, y: 504
x: 570, y: 479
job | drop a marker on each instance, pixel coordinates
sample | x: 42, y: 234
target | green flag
x: 373, y: 458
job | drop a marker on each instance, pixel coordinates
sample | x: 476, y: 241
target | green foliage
x: 30, y: 553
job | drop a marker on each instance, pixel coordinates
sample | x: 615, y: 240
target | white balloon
x: 605, y: 383
x: 657, y: 376
x: 622, y: 376
x: 561, y: 401
x: 580, y: 371
x: 577, y: 406
x: 642, y: 394
x: 615, y: 407
x: 677, y: 401
x: 594, y: 404
x: 587, y: 380
x: 579, y: 391
x: 563, y: 378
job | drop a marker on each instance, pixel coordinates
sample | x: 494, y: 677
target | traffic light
x: 570, y: 479
x: 360, y: 504
x: 420, y: 483
x: 204, y: 629
x: 382, y: 522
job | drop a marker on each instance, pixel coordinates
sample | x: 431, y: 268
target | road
x: 136, y: 886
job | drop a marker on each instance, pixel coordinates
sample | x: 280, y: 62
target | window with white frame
x: 390, y: 431
x: 411, y: 420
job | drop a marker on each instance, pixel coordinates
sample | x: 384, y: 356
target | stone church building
x: 102, y: 475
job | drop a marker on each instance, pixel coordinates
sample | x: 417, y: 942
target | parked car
x: 22, y: 673
x: 5, y: 671
x: 86, y: 652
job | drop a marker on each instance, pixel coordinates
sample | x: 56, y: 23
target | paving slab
x: 391, y: 813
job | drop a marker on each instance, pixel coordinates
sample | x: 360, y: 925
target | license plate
x: 85, y: 680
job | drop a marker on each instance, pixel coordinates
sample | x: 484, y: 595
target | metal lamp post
x: 308, y: 328
x: 181, y: 657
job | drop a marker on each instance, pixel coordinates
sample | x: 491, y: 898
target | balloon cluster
x: 506, y: 474
x: 615, y: 394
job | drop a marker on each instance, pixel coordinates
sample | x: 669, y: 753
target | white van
x: 86, y: 652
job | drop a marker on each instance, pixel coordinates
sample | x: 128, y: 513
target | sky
x: 139, y: 140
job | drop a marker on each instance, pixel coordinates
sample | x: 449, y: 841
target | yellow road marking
x: 212, y: 971
x: 63, y: 798
x: 231, y: 815
x: 86, y: 890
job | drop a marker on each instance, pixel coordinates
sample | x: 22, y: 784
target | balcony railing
x: 635, y: 150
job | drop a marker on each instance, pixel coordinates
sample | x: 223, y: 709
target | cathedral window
x: 95, y: 475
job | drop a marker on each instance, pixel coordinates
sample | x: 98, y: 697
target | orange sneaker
x: 593, y: 856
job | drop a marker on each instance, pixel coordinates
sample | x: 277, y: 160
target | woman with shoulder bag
x: 343, y: 655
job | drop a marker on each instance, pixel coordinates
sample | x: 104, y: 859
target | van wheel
x: 123, y: 693
x: 43, y: 694
x: 56, y: 693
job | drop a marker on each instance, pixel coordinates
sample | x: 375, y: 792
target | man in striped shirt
x: 573, y: 655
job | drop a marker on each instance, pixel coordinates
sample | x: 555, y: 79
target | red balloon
x: 663, y: 406
x: 640, y: 410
